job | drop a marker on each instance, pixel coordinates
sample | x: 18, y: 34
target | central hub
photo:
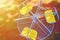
x: 34, y: 18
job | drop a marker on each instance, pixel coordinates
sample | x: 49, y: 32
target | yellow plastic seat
x: 50, y: 16
x: 32, y: 33
x: 26, y: 9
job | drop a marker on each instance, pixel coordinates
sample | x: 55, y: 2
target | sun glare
x: 4, y: 3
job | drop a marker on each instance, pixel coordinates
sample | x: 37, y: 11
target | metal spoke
x: 40, y: 27
x: 43, y: 25
x: 25, y: 23
x: 38, y: 8
x: 30, y: 27
x: 23, y: 18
